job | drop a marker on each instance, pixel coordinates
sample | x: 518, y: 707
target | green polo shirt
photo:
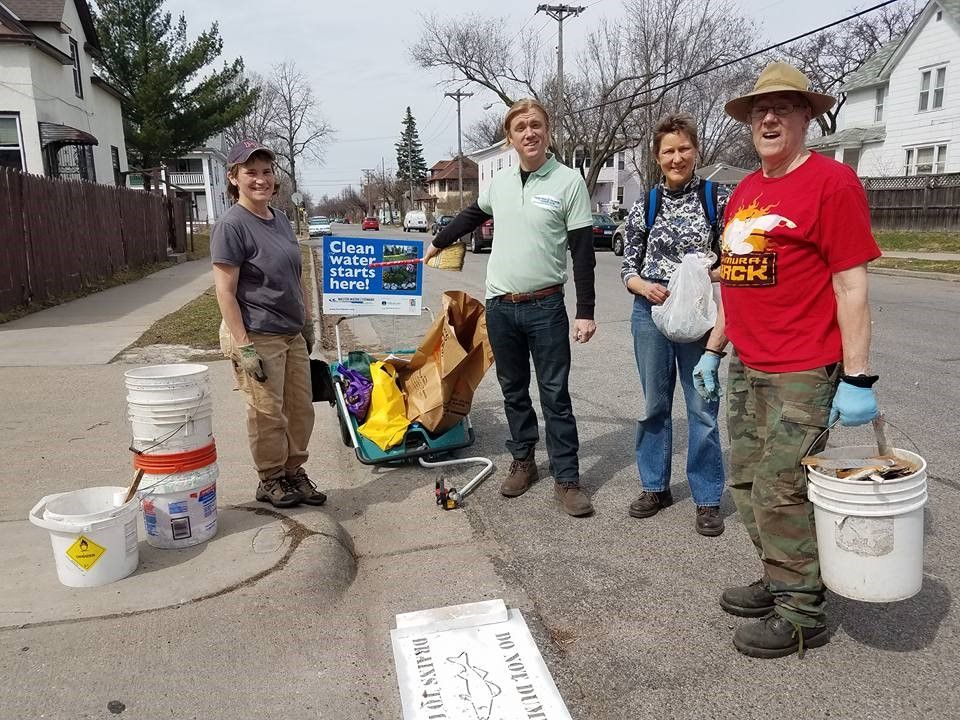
x: 530, y: 223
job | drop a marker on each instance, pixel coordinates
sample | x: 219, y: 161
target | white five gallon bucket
x: 94, y: 541
x: 180, y: 509
x: 170, y: 407
x: 869, y: 532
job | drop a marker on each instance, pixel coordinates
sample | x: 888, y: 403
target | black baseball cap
x: 242, y: 151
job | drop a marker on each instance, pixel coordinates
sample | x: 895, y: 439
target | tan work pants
x: 280, y: 409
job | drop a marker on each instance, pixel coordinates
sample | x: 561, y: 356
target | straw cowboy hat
x: 779, y: 77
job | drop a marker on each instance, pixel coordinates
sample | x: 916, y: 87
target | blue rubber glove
x: 853, y: 405
x: 705, y: 376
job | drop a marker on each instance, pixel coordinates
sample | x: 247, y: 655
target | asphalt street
x: 288, y: 614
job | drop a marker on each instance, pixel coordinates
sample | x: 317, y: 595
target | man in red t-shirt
x: 793, y: 276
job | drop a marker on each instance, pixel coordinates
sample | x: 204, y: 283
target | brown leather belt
x: 535, y: 295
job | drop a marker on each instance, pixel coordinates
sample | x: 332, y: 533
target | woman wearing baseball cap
x: 267, y: 329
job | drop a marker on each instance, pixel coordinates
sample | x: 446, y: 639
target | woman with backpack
x: 681, y: 215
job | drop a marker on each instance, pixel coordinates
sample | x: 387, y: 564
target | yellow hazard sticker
x: 85, y: 552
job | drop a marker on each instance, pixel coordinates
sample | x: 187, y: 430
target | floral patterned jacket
x: 680, y: 227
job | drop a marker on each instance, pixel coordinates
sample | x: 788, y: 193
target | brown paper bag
x: 444, y: 373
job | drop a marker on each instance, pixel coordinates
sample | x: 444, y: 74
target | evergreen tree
x: 171, y: 109
x: 410, y: 154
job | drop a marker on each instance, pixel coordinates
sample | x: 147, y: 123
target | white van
x: 415, y: 220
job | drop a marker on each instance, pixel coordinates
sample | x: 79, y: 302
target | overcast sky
x: 356, y: 54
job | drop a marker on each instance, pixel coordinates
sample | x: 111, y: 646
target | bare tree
x: 485, y: 132
x: 625, y: 68
x: 831, y: 57
x: 298, y: 128
x: 260, y: 122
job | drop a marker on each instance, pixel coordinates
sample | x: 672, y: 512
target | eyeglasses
x: 780, y: 110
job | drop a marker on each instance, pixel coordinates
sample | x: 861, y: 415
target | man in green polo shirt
x: 541, y: 209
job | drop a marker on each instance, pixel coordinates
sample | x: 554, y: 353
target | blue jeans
x: 538, y: 328
x: 658, y: 361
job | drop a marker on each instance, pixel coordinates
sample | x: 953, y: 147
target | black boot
x: 753, y: 600
x: 775, y: 637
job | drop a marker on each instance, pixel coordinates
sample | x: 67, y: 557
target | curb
x: 946, y: 277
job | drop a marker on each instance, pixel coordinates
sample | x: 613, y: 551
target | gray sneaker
x: 279, y: 492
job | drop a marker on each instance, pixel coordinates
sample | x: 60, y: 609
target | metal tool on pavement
x: 451, y: 498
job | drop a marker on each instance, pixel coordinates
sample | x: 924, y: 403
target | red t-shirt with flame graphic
x: 783, y: 239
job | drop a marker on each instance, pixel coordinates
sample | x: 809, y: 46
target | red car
x: 482, y: 237
x: 370, y: 223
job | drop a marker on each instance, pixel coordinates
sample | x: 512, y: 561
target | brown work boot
x: 709, y: 522
x: 300, y: 481
x: 522, y: 473
x: 574, y: 500
x: 279, y: 492
x: 650, y: 503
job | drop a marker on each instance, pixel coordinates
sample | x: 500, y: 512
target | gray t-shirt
x: 268, y: 255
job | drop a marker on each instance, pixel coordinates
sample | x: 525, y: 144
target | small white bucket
x: 870, y: 533
x: 170, y: 407
x: 180, y: 509
x: 94, y: 540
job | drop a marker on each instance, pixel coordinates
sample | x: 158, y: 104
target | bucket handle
x: 36, y: 517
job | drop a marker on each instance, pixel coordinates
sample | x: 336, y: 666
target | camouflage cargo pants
x: 773, y: 421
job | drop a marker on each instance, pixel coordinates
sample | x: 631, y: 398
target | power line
x: 704, y: 71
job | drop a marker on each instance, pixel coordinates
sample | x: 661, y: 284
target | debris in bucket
x: 886, y: 467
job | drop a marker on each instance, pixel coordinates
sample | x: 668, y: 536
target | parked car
x: 415, y: 220
x: 482, y: 237
x: 319, y: 226
x: 619, y: 238
x: 603, y: 228
x: 370, y: 223
x: 440, y: 223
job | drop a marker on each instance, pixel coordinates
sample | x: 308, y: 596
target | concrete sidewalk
x: 93, y: 329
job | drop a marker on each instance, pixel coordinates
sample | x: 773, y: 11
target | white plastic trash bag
x: 690, y: 311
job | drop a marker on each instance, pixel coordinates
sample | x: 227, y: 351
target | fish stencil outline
x: 476, y: 686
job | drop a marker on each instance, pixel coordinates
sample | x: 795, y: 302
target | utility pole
x: 458, y: 96
x: 560, y: 13
x: 367, y: 172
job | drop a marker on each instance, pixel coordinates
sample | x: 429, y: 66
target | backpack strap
x: 707, y: 192
x: 651, y: 208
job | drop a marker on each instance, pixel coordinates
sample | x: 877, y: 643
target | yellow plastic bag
x: 387, y: 421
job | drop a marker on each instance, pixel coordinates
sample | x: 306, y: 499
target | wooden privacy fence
x: 914, y: 202
x: 58, y: 237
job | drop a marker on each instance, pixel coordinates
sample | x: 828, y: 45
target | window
x: 939, y: 77
x: 851, y: 157
x: 578, y: 157
x: 620, y: 195
x: 77, y: 78
x: 878, y: 108
x: 927, y: 160
x: 115, y: 160
x: 11, y: 150
x: 609, y: 162
x: 622, y: 161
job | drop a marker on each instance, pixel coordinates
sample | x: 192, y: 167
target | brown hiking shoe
x: 650, y: 503
x: 522, y: 473
x: 753, y: 600
x: 279, y: 492
x: 574, y: 500
x: 709, y: 522
x: 300, y: 481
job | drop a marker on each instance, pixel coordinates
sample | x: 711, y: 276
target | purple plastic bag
x: 357, y: 392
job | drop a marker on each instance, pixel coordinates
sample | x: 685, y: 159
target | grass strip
x: 921, y: 241
x: 941, y: 266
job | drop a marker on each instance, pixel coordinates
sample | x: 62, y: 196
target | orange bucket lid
x: 168, y: 463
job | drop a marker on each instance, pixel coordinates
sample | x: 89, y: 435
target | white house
x: 902, y: 114
x: 57, y: 118
x: 617, y: 186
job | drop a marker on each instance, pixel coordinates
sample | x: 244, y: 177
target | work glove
x: 706, y: 378
x: 309, y: 334
x: 853, y: 405
x: 251, y: 362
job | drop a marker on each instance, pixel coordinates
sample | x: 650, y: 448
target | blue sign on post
x: 352, y: 287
